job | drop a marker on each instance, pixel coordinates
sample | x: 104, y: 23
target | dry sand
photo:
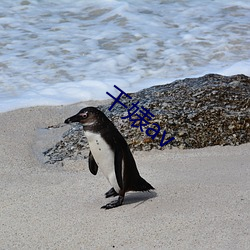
x: 201, y: 201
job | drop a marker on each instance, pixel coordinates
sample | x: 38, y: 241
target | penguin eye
x: 84, y: 115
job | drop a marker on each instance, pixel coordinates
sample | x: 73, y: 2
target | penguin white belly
x: 104, y: 157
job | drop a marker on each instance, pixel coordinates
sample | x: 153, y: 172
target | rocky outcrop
x: 197, y: 112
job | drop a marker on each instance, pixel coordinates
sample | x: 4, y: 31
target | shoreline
x: 201, y: 197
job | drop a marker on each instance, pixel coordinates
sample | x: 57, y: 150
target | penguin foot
x: 113, y: 204
x: 111, y: 193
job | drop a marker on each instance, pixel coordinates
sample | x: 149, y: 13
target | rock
x: 205, y: 111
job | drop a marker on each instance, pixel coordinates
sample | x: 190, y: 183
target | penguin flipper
x: 118, y: 166
x: 93, y: 167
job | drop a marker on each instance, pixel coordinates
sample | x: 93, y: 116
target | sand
x: 201, y: 198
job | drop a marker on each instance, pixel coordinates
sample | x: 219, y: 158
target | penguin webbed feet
x: 111, y: 193
x: 115, y: 203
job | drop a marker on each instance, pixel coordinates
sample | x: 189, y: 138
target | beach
x: 201, y: 198
x: 190, y: 67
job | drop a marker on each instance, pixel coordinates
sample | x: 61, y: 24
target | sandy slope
x: 202, y: 197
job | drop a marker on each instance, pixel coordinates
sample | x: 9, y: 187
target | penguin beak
x: 74, y: 118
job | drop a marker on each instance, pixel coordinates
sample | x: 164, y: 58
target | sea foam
x: 62, y: 52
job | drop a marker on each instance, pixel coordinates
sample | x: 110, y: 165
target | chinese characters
x: 143, y: 116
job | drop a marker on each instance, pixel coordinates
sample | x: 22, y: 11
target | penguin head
x: 88, y: 117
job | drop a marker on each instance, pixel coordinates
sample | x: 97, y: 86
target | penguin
x: 110, y: 152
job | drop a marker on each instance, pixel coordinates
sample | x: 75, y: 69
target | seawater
x: 61, y: 52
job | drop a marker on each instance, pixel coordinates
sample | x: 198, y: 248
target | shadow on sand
x: 138, y: 198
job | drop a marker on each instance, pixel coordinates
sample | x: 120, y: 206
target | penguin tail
x: 141, y: 185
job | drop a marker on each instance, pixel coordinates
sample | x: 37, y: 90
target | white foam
x: 63, y: 52
x: 242, y: 67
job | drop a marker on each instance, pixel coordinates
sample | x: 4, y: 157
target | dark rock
x: 199, y: 112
